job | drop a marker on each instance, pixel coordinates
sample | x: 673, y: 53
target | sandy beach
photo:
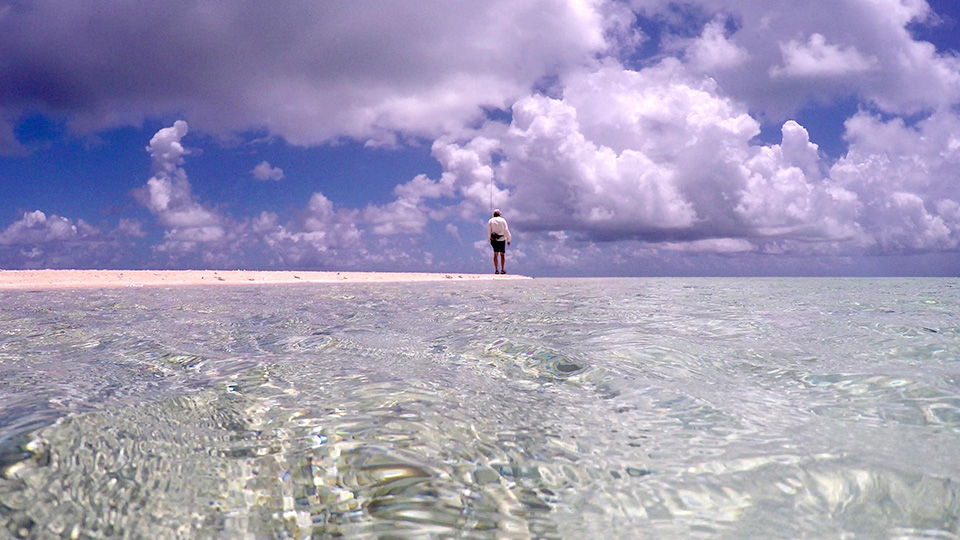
x: 69, y: 279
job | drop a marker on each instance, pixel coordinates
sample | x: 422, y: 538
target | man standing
x: 499, y: 235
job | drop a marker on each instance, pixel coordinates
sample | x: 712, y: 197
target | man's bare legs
x: 498, y: 266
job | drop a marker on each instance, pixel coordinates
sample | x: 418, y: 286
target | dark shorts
x: 499, y: 246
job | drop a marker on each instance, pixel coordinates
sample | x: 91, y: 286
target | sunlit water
x: 580, y: 409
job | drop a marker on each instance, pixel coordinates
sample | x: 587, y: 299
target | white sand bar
x: 69, y: 279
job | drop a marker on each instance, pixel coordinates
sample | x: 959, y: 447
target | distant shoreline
x: 82, y: 279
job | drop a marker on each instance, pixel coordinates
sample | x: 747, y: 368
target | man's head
x: 496, y: 213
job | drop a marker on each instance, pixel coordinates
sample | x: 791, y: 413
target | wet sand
x: 70, y: 279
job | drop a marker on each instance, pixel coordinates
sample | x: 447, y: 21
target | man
x: 499, y: 235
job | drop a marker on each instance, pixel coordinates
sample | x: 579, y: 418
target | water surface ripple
x: 557, y: 408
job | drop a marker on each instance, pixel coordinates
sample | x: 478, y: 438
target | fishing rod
x: 491, y: 194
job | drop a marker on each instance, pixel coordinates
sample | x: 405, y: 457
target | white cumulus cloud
x: 713, y: 50
x: 780, y: 55
x: 264, y: 172
x: 39, y: 240
x: 168, y: 195
x: 323, y: 236
x: 38, y: 228
x: 817, y: 58
x: 663, y: 157
x: 905, y: 177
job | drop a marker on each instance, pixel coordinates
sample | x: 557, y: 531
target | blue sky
x: 645, y: 137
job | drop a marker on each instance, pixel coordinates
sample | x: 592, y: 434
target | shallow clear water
x: 621, y: 408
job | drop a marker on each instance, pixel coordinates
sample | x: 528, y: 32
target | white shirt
x: 498, y: 225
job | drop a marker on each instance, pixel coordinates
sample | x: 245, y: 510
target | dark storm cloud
x: 307, y: 71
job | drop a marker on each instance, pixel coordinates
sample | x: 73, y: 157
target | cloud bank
x: 311, y: 72
x: 663, y: 158
x: 38, y: 240
x: 778, y: 56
